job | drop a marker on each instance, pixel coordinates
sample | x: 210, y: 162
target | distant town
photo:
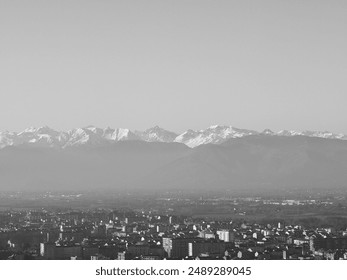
x: 76, y: 226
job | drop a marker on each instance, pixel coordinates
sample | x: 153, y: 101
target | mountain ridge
x: 92, y: 135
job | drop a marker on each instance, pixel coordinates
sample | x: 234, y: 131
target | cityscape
x: 290, y: 225
x: 177, y: 133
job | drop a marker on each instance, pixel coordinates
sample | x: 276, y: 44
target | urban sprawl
x: 119, y: 234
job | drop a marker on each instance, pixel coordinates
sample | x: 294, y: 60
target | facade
x: 51, y: 251
x: 213, y: 248
x: 226, y: 235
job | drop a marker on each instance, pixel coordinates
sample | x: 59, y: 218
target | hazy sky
x: 177, y: 64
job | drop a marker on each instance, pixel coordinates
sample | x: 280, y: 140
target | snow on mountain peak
x: 288, y: 133
x: 212, y: 135
x: 92, y: 135
x: 214, y: 126
x: 157, y: 134
x: 268, y: 132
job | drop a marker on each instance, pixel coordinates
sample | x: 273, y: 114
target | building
x: 327, y: 243
x: 207, y: 234
x: 211, y: 248
x: 226, y: 235
x: 176, y: 248
x: 52, y: 251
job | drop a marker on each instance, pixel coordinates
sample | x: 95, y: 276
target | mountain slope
x: 255, y: 161
x: 260, y: 161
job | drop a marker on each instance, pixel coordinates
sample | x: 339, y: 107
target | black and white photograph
x: 191, y: 131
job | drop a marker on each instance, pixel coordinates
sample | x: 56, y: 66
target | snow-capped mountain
x: 288, y: 133
x: 6, y: 139
x: 309, y: 133
x: 42, y: 136
x: 119, y: 134
x: 91, y: 136
x: 324, y: 134
x: 213, y: 135
x: 268, y: 132
x: 157, y: 134
x: 84, y: 136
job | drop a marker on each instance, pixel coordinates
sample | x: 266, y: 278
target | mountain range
x: 91, y: 135
x: 218, y: 158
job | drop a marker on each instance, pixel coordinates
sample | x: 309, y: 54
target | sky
x: 177, y: 64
